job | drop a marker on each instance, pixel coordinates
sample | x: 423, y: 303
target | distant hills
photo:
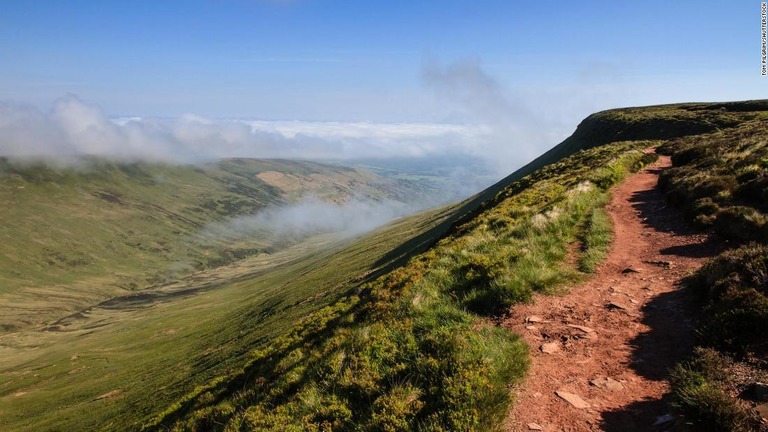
x: 83, y: 233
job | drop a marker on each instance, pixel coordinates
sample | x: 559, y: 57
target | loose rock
x: 616, y: 305
x: 585, y: 329
x: 663, y: 264
x: 575, y: 400
x: 550, y: 347
x: 606, y: 383
x: 666, y: 418
x: 534, y: 427
x: 762, y: 410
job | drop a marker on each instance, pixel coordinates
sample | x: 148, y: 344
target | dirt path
x: 607, y: 345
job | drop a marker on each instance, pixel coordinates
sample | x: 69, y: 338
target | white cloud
x: 73, y: 127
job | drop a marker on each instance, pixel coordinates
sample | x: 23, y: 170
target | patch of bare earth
x: 601, y: 353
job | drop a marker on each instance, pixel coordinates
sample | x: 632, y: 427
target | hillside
x: 393, y: 330
x: 413, y: 349
x: 73, y: 237
x: 118, y: 362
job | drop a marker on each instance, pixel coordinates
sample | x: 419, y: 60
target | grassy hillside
x: 413, y: 349
x: 389, y: 331
x: 114, y: 365
x: 72, y: 237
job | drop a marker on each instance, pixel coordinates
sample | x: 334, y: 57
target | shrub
x: 698, y: 395
x: 734, y: 289
x: 395, y: 410
x: 740, y: 223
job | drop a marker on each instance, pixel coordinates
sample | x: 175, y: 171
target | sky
x: 524, y: 72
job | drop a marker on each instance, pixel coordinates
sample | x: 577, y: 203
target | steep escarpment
x: 414, y: 349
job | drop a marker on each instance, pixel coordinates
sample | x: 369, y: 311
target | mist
x: 518, y: 129
x: 309, y: 216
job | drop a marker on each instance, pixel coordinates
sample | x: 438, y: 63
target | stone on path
x: 616, y: 305
x: 575, y: 400
x: 606, y: 383
x: 662, y: 264
x: 550, y: 347
x: 762, y: 410
x: 585, y: 329
x: 666, y: 418
x: 535, y: 427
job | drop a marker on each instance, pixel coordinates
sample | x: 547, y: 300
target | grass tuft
x: 596, y: 240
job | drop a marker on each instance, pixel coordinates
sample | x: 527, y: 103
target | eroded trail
x: 601, y: 353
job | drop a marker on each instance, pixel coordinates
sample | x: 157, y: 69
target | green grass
x: 596, y: 241
x: 733, y: 289
x: 720, y: 180
x: 699, y: 396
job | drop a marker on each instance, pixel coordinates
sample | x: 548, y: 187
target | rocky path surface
x: 601, y: 353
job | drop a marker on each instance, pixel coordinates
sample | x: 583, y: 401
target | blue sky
x: 365, y: 60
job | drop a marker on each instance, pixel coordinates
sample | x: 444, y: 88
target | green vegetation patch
x: 699, y: 395
x: 734, y: 292
x: 596, y: 240
x: 721, y: 180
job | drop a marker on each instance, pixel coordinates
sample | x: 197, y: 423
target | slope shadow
x: 670, y: 316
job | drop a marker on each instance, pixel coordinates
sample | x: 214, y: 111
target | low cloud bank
x: 73, y: 128
x: 309, y: 216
